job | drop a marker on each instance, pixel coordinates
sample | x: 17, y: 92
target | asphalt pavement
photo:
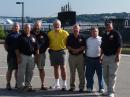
x: 122, y: 85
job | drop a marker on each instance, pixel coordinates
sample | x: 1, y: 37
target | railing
x: 85, y: 30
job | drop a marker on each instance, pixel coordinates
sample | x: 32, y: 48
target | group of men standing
x: 100, y: 54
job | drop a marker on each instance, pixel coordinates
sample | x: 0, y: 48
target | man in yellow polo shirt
x: 57, y: 46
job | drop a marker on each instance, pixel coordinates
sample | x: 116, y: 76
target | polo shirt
x: 11, y: 42
x: 75, y: 42
x: 57, y: 40
x: 111, y: 42
x: 93, y: 46
x: 42, y: 39
x: 27, y: 45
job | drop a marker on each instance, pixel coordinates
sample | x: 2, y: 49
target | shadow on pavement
x: 48, y: 93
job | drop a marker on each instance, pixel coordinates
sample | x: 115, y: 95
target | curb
x: 2, y: 41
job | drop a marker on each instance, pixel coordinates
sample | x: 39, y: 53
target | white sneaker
x: 64, y: 85
x: 56, y: 87
x: 101, y: 91
x: 111, y: 95
x: 105, y: 94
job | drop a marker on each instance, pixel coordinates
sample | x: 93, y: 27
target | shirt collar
x: 59, y: 31
x: 95, y: 37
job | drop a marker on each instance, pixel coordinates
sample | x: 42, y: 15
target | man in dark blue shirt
x: 76, y: 47
x: 10, y: 46
x: 111, y: 48
x: 43, y: 43
x: 26, y: 48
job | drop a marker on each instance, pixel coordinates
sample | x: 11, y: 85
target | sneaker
x: 105, y: 94
x: 101, y: 91
x: 8, y: 86
x: 89, y: 90
x: 56, y: 87
x: 16, y: 85
x: 111, y: 95
x: 71, y: 89
x: 43, y: 87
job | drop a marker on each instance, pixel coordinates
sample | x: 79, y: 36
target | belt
x: 29, y: 55
x: 93, y: 57
x: 109, y: 54
x: 56, y: 50
x: 76, y: 54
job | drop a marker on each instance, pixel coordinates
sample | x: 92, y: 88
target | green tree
x: 2, y: 33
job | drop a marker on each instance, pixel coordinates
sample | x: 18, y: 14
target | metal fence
x: 85, y: 30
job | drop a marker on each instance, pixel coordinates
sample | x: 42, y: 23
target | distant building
x: 120, y: 22
x: 6, y: 21
x: 123, y: 26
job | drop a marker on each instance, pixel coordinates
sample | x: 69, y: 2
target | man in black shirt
x: 26, y: 48
x: 43, y: 43
x: 10, y: 46
x: 76, y: 47
x: 111, y: 48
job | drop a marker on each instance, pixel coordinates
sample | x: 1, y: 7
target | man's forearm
x: 118, y: 51
x: 17, y: 53
x: 81, y: 48
x: 70, y: 48
x: 101, y: 54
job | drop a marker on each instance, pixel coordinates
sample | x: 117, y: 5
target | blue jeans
x: 92, y: 65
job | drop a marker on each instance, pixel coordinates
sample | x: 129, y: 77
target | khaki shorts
x: 41, y: 61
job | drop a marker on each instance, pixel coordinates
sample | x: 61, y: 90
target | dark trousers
x: 92, y: 65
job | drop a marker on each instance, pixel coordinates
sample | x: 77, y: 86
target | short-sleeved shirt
x: 75, y: 42
x: 27, y: 45
x: 11, y: 42
x: 57, y: 40
x: 93, y: 46
x: 42, y: 39
x: 111, y: 42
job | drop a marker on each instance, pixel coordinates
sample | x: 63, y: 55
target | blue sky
x: 49, y: 8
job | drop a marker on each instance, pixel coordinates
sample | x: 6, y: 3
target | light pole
x: 22, y: 3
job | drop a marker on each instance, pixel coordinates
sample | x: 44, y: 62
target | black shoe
x: 28, y: 88
x: 21, y: 89
x: 43, y: 87
x: 63, y: 89
x: 80, y: 90
x: 71, y: 89
x: 89, y: 90
x: 16, y: 86
x: 8, y: 86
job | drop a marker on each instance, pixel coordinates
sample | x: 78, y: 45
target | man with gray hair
x: 57, y: 46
